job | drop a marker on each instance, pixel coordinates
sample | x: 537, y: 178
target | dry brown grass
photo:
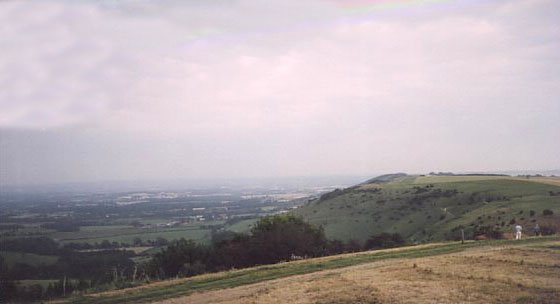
x: 325, y: 288
x: 544, y: 180
x: 171, y: 282
x: 505, y: 274
x: 555, y: 181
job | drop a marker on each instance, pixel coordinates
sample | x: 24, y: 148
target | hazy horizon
x: 164, y: 90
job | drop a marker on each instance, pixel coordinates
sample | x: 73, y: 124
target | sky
x: 145, y: 90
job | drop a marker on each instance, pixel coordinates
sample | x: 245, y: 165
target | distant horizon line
x: 231, y: 179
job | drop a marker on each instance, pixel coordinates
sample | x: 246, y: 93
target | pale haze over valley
x: 147, y: 90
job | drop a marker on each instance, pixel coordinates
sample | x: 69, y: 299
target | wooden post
x: 64, y: 287
x: 134, y: 273
x: 115, y: 274
x: 462, y: 236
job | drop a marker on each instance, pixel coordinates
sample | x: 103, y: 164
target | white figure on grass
x: 518, y: 230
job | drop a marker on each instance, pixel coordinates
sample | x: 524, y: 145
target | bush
x: 277, y: 238
x: 38, y: 245
x: 547, y: 212
x: 8, y: 288
x: 178, y: 257
x: 189, y: 269
x: 272, y: 239
x: 489, y: 232
x: 548, y: 230
x: 384, y: 240
x: 62, y: 226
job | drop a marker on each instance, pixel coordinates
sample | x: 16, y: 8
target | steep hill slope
x: 428, y: 208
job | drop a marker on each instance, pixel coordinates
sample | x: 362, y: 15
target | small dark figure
x: 537, y: 230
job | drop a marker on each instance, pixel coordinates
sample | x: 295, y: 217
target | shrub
x: 547, y: 212
x: 277, y: 238
x: 62, y: 226
x: 190, y: 269
x: 488, y: 232
x: 384, y: 240
x: 548, y: 230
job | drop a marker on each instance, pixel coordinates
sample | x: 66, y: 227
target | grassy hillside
x: 428, y: 208
x: 475, y: 272
x: 422, y: 209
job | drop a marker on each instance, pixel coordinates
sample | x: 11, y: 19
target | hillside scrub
x: 273, y: 239
x: 436, y: 207
x: 87, y: 270
x: 384, y: 240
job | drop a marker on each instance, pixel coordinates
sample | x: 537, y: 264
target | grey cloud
x: 266, y: 88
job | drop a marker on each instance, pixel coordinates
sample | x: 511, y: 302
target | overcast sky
x: 133, y: 90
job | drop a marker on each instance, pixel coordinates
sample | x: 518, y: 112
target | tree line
x: 272, y: 240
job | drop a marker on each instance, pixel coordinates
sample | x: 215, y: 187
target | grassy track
x: 183, y: 287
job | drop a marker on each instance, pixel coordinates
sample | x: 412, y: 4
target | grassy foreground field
x: 526, y: 271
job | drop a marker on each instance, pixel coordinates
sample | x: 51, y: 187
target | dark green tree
x: 178, y: 258
x: 384, y: 240
x: 277, y: 238
x: 7, y: 286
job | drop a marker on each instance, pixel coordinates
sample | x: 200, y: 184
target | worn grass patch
x: 346, y: 292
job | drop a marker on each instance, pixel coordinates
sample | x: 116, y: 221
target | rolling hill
x: 436, y: 207
x: 424, y: 209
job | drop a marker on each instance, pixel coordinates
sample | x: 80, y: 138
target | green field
x: 126, y: 234
x: 198, y: 231
x: 243, y: 226
x: 428, y: 208
x: 12, y: 258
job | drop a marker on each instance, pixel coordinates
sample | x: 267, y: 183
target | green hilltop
x: 424, y: 208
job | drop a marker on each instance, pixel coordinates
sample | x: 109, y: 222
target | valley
x: 74, y: 245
